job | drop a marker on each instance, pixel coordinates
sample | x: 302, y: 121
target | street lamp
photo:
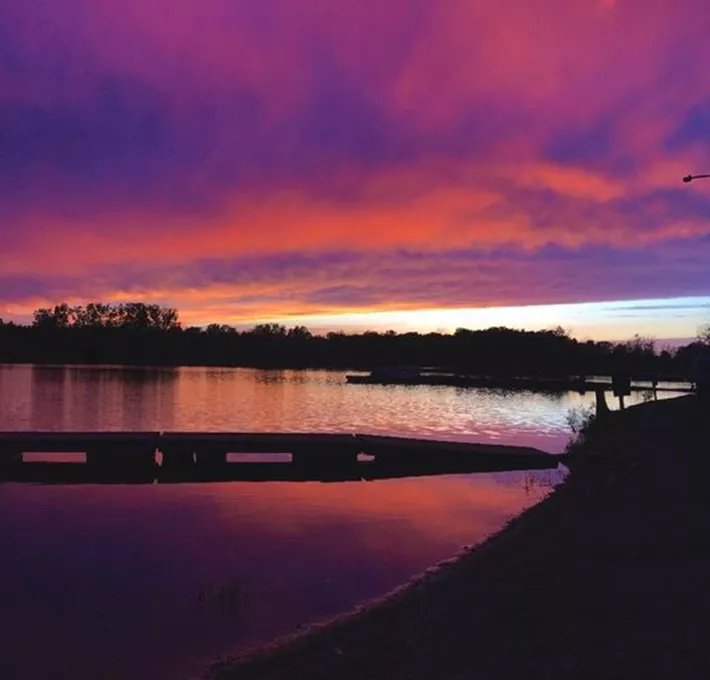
x: 690, y: 178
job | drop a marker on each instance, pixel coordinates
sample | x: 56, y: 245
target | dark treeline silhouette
x: 141, y: 334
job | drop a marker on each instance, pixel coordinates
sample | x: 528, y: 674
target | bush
x: 580, y: 422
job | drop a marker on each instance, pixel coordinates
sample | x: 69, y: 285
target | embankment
x: 606, y: 578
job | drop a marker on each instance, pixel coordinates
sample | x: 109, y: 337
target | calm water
x: 152, y: 582
x: 227, y: 399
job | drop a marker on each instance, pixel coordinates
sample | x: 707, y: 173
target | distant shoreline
x: 605, y: 578
x: 502, y: 381
x: 135, y: 334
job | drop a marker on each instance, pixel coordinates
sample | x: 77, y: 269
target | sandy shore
x: 609, y: 577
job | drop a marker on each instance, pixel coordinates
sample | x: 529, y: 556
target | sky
x: 410, y: 164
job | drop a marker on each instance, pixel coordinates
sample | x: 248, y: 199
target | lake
x: 155, y: 581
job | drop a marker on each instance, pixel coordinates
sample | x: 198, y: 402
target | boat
x: 390, y: 375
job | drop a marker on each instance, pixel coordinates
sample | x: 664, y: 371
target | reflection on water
x: 150, y: 582
x: 228, y: 399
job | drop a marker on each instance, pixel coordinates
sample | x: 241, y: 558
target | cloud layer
x: 252, y: 158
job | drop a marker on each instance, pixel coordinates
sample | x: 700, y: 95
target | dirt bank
x: 607, y: 578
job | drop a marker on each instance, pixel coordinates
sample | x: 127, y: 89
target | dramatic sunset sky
x: 398, y: 164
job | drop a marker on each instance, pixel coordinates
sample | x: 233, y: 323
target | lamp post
x: 690, y: 178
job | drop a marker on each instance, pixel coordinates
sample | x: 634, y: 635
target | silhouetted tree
x: 138, y: 333
x: 273, y: 330
x: 58, y: 317
x: 299, y: 333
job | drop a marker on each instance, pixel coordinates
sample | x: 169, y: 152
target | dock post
x: 621, y: 385
x: 602, y: 408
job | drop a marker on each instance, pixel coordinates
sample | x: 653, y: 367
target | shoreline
x: 583, y: 584
x: 358, y: 373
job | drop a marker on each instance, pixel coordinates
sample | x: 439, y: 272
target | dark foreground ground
x: 607, y: 578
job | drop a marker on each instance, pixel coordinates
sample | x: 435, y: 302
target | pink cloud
x: 141, y: 132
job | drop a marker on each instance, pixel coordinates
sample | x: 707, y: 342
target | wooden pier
x: 534, y: 384
x: 204, y: 456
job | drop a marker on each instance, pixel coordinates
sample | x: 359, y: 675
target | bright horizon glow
x: 671, y: 321
x: 332, y: 163
x: 664, y: 319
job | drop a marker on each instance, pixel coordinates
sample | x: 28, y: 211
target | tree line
x: 145, y: 334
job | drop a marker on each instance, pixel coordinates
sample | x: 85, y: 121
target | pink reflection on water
x: 150, y: 582
x: 229, y: 399
x: 179, y: 575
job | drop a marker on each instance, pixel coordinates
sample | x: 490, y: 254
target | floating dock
x: 579, y: 385
x: 205, y: 456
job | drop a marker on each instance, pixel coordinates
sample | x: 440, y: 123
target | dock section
x: 534, y: 384
x: 400, y: 449
x: 102, y: 449
x: 204, y: 456
x: 182, y: 449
